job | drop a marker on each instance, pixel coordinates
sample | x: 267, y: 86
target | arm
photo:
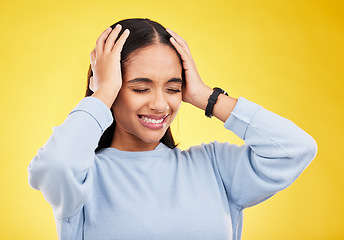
x: 195, y: 91
x: 275, y: 153
x: 61, y: 167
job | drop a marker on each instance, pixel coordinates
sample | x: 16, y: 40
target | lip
x: 154, y: 126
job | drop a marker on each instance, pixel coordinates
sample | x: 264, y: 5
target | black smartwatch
x: 212, y: 100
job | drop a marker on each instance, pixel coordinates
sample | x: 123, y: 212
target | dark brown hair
x: 143, y: 33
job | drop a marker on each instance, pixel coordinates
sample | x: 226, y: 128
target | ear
x: 91, y: 85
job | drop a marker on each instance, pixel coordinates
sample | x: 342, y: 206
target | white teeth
x: 150, y: 120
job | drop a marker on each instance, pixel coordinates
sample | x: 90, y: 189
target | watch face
x: 220, y: 90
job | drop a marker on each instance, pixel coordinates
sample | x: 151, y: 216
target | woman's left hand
x: 194, y: 85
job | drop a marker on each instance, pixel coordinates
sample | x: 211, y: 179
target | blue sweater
x: 165, y: 194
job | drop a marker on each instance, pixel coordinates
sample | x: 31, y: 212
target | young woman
x: 111, y: 170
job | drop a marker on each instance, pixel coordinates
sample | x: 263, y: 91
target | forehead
x: 155, y: 62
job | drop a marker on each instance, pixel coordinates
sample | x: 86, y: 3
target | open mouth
x: 152, y: 121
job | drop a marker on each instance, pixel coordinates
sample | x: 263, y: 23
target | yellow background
x: 284, y: 55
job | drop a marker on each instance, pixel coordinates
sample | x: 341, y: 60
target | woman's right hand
x: 106, y: 66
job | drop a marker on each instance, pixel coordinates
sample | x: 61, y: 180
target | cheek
x: 175, y: 103
x: 124, y: 104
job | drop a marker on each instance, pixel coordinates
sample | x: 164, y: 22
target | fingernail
x: 118, y: 25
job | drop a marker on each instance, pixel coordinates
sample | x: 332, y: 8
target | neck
x: 127, y: 142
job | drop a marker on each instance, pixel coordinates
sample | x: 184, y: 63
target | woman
x: 111, y: 169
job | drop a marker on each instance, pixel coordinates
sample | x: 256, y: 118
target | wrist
x: 221, y: 107
x: 200, y: 99
x: 212, y: 100
x: 106, y: 94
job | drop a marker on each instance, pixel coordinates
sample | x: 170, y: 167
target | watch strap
x: 212, y: 100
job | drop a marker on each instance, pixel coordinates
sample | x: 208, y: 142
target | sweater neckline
x: 158, y: 151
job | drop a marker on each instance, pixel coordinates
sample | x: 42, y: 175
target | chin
x: 151, y: 140
x: 152, y: 137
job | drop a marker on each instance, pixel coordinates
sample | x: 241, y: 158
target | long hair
x: 143, y: 33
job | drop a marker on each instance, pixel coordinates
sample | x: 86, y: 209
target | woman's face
x: 150, y: 97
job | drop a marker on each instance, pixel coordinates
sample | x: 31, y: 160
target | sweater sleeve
x: 275, y: 153
x: 61, y: 167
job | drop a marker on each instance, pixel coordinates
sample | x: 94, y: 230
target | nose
x: 158, y: 102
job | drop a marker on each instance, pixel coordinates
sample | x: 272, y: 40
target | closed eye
x: 173, y: 90
x: 140, y: 90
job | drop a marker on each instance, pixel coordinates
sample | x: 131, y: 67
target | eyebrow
x: 135, y: 80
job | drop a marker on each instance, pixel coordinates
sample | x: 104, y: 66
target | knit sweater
x: 165, y: 194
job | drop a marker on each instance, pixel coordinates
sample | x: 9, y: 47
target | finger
x: 120, y: 42
x: 111, y: 39
x: 181, y: 47
x: 101, y: 39
x: 180, y: 40
x: 184, y: 55
x: 176, y: 36
x: 186, y: 61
